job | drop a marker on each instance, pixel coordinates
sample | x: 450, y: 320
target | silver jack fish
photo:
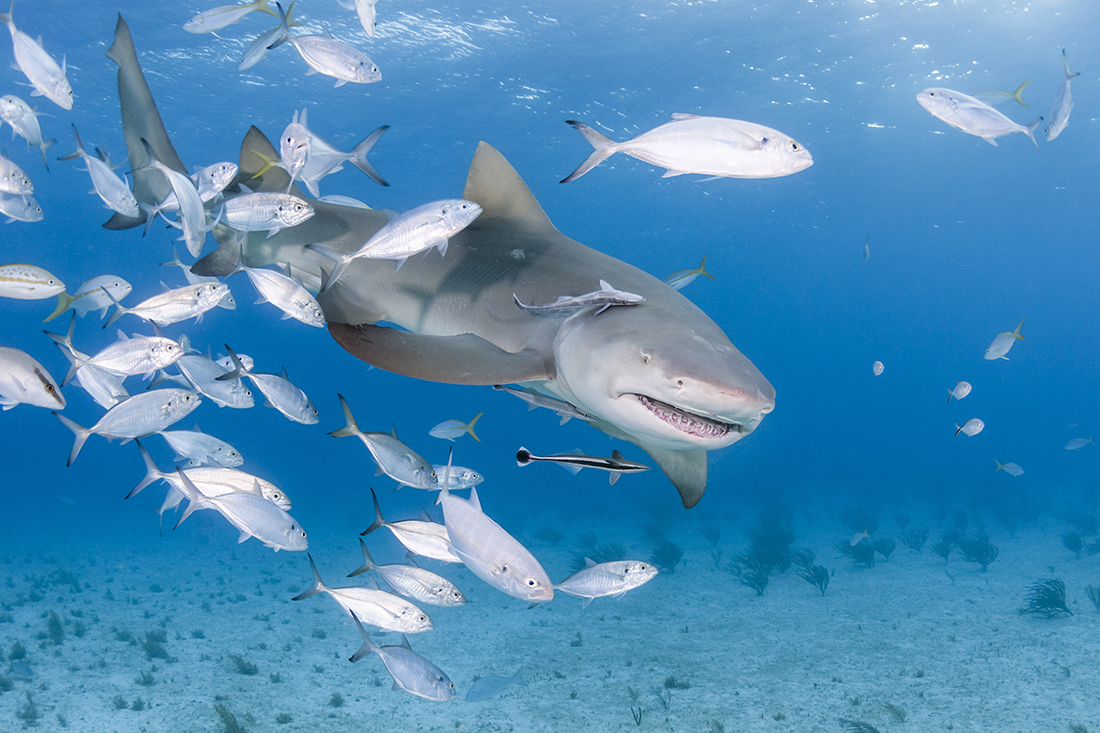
x: 971, y: 115
x: 280, y: 393
x: 47, y: 78
x: 412, y: 581
x: 375, y: 607
x: 607, y: 579
x: 410, y: 671
x: 420, y: 537
x: 253, y: 515
x: 714, y: 146
x: 490, y: 552
x: 135, y: 417
x: 394, y: 458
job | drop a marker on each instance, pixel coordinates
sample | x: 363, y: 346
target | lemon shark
x: 660, y: 374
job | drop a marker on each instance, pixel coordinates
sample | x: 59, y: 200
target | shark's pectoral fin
x: 686, y: 469
x: 464, y: 359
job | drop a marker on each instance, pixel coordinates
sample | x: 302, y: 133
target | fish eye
x: 49, y: 388
x: 931, y: 94
x: 531, y: 583
x: 645, y: 358
x: 50, y: 282
x: 794, y: 147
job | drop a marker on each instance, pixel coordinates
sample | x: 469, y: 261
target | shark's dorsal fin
x: 495, y: 185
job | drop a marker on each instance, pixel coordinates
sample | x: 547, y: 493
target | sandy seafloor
x: 949, y: 648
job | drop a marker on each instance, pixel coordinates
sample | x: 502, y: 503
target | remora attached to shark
x: 660, y: 374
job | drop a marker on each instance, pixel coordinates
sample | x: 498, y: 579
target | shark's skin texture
x: 660, y: 374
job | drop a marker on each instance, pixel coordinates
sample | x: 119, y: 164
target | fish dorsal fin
x: 604, y: 285
x: 617, y: 456
x: 589, y: 562
x: 474, y: 501
x: 405, y: 643
x: 683, y: 116
x: 372, y: 583
x: 495, y: 185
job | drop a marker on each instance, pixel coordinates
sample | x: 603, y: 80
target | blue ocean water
x: 965, y: 240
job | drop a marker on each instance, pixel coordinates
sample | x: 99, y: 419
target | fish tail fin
x: 379, y: 521
x: 604, y: 148
x: 152, y: 473
x: 74, y: 367
x: 1065, y: 63
x: 1000, y: 466
x: 65, y: 343
x: 64, y: 300
x: 262, y: 6
x: 79, y: 147
x: 368, y: 561
x: 81, y: 436
x: 318, y: 584
x: 368, y: 645
x: 269, y: 163
x: 523, y: 457
x: 1031, y: 128
x: 42, y: 148
x: 351, y: 428
x: 957, y: 429
x: 120, y: 309
x: 195, y: 498
x: 703, y: 268
x: 359, y: 155
x: 950, y: 394
x: 238, y: 372
x: 6, y: 17
x: 1018, y: 95
x: 470, y: 427
x: 1016, y: 332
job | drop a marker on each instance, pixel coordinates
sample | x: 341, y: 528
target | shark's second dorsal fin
x: 495, y: 185
x: 257, y: 153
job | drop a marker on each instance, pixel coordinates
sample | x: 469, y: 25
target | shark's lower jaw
x: 686, y: 422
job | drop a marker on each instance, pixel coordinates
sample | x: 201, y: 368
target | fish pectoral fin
x: 462, y: 359
x: 991, y: 141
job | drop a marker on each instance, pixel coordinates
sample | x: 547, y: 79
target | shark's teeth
x: 686, y: 422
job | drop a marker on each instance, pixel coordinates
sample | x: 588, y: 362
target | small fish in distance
x: 877, y: 368
x: 1078, y: 443
x: 1003, y: 342
x: 217, y: 18
x: 971, y: 427
x: 1010, y: 468
x: 680, y: 279
x: 962, y: 389
x: 972, y: 116
x: 451, y: 429
x: 1063, y: 104
x: 491, y: 685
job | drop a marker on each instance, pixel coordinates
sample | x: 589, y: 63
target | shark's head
x: 675, y: 389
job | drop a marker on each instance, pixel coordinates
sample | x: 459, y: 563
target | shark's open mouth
x: 687, y: 422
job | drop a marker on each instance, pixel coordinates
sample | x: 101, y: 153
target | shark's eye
x: 680, y: 383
